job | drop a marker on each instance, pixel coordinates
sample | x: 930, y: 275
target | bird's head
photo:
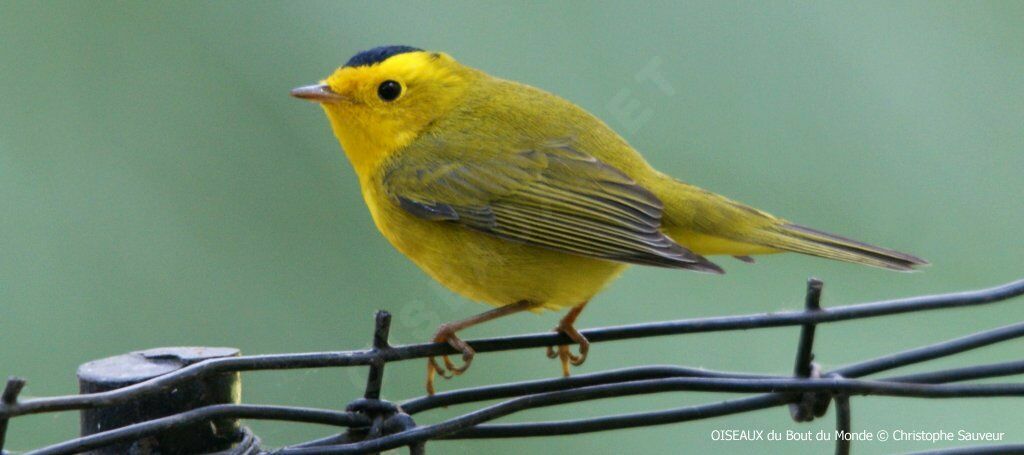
x: 383, y: 98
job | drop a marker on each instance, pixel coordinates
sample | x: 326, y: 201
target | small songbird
x: 517, y: 198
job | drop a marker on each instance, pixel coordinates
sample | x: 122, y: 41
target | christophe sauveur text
x: 864, y: 435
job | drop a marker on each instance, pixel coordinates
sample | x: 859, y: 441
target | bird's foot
x: 564, y: 353
x: 446, y: 334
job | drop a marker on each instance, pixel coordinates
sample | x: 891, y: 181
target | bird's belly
x: 492, y: 270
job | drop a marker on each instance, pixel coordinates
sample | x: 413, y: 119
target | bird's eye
x: 389, y: 90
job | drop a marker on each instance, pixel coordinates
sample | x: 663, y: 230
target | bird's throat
x: 366, y: 151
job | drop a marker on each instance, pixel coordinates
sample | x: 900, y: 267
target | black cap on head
x: 379, y: 54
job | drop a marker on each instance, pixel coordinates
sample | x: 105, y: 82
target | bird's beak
x: 319, y: 93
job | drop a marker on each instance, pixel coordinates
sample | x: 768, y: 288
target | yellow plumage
x: 508, y: 194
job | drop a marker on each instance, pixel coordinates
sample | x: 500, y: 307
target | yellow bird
x: 514, y: 197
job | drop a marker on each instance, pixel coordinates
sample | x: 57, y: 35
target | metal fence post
x: 127, y: 369
x: 810, y: 405
x: 9, y: 397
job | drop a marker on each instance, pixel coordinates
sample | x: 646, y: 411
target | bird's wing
x: 549, y: 195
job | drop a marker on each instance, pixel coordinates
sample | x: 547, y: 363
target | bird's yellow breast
x: 485, y: 268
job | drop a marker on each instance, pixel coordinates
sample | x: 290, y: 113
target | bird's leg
x: 566, y: 326
x: 446, y: 334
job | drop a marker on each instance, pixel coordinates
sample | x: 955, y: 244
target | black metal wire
x: 808, y: 406
x: 622, y: 421
x: 536, y: 340
x: 654, y: 418
x: 843, y: 424
x: 931, y: 352
x: 964, y: 374
x: 492, y: 392
x: 377, y: 425
x: 834, y: 386
x: 203, y: 414
x: 248, y: 444
x: 522, y: 430
x: 375, y: 378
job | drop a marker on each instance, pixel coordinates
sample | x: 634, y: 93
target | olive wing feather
x: 550, y: 195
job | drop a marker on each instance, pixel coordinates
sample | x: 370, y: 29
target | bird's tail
x: 801, y: 239
x: 710, y: 224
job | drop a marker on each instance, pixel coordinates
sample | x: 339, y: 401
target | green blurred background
x: 158, y: 187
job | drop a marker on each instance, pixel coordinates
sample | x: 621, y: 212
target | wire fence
x: 373, y: 425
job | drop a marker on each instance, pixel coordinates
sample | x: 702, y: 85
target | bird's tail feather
x: 801, y: 239
x: 708, y: 224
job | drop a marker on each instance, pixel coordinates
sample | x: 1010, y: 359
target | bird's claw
x: 564, y: 353
x: 552, y: 353
x: 448, y: 370
x: 564, y: 350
